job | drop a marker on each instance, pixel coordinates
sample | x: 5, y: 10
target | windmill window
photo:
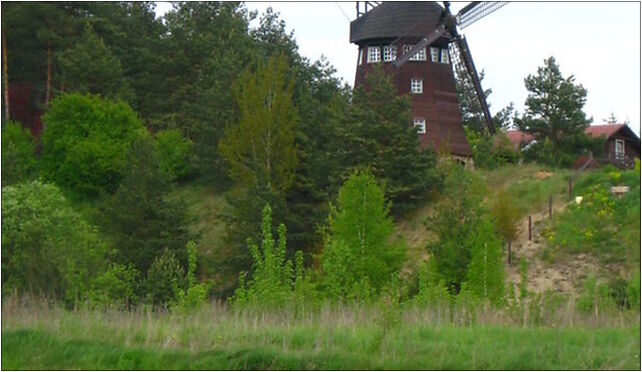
x: 419, y: 56
x: 374, y: 54
x: 619, y: 147
x: 420, y: 124
x: 389, y: 53
x: 434, y: 54
x: 444, y: 56
x: 416, y: 86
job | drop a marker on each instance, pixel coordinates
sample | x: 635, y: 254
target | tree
x: 357, y: 251
x: 259, y: 149
x: 18, y: 153
x: 86, y: 141
x: 90, y: 67
x: 455, y: 223
x: 377, y: 133
x: 207, y: 47
x: 47, y: 248
x: 141, y: 220
x: 554, y: 113
x: 506, y: 218
x: 485, y: 275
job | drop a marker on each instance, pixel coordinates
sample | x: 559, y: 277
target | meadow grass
x: 331, y: 337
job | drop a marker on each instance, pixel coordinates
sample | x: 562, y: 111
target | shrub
x: 85, y: 142
x: 165, y: 278
x: 194, y: 295
x: 18, y: 153
x: 47, y: 248
x: 117, y: 286
x: 175, y: 153
x: 272, y: 281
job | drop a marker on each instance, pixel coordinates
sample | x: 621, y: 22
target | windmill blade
x: 429, y: 39
x: 477, y: 10
x: 467, y: 60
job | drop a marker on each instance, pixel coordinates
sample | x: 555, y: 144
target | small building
x: 622, y: 144
x: 621, y: 148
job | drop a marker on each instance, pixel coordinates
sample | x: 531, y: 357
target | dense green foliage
x: 259, y: 149
x: 18, y: 153
x: 141, y: 221
x: 86, y: 141
x: 175, y: 152
x: 90, y: 67
x: 358, y: 258
x: 273, y: 280
x: 47, y: 248
x: 456, y: 222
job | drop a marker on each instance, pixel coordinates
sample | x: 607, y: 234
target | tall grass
x: 36, y: 335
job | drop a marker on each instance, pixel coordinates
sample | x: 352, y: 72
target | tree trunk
x: 5, y: 75
x: 48, y: 87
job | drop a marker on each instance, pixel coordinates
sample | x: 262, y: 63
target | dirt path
x: 563, y: 276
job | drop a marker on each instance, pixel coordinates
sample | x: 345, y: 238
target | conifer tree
x: 378, y: 134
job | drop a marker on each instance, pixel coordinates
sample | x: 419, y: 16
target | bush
x: 47, y: 248
x: 165, y: 278
x: 85, y: 142
x: 117, y: 286
x: 175, y: 153
x: 194, y: 295
x: 18, y: 153
x: 272, y: 281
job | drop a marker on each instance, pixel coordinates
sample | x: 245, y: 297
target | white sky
x: 597, y: 42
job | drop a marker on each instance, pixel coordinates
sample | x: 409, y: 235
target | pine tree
x: 378, y: 134
x: 554, y: 115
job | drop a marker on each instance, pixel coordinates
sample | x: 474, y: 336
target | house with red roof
x: 622, y: 145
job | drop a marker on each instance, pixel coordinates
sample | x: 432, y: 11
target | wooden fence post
x: 530, y: 224
x: 509, y: 247
x: 550, y: 206
x: 570, y: 186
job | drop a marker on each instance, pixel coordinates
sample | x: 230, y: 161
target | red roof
x: 606, y: 130
x: 517, y: 138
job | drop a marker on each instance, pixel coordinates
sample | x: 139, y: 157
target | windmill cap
x: 395, y: 19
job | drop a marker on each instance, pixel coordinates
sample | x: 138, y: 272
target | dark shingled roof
x: 395, y: 19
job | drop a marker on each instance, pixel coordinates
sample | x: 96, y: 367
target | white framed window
x: 419, y: 56
x: 389, y: 53
x: 360, y: 56
x: 434, y: 54
x: 420, y: 124
x: 374, y: 54
x: 619, y: 147
x: 445, y: 58
x: 416, y: 86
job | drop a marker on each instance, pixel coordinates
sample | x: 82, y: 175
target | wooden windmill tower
x: 419, y: 45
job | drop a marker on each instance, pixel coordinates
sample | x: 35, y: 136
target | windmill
x: 419, y: 46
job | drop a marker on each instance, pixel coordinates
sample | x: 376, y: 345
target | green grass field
x: 347, y: 338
